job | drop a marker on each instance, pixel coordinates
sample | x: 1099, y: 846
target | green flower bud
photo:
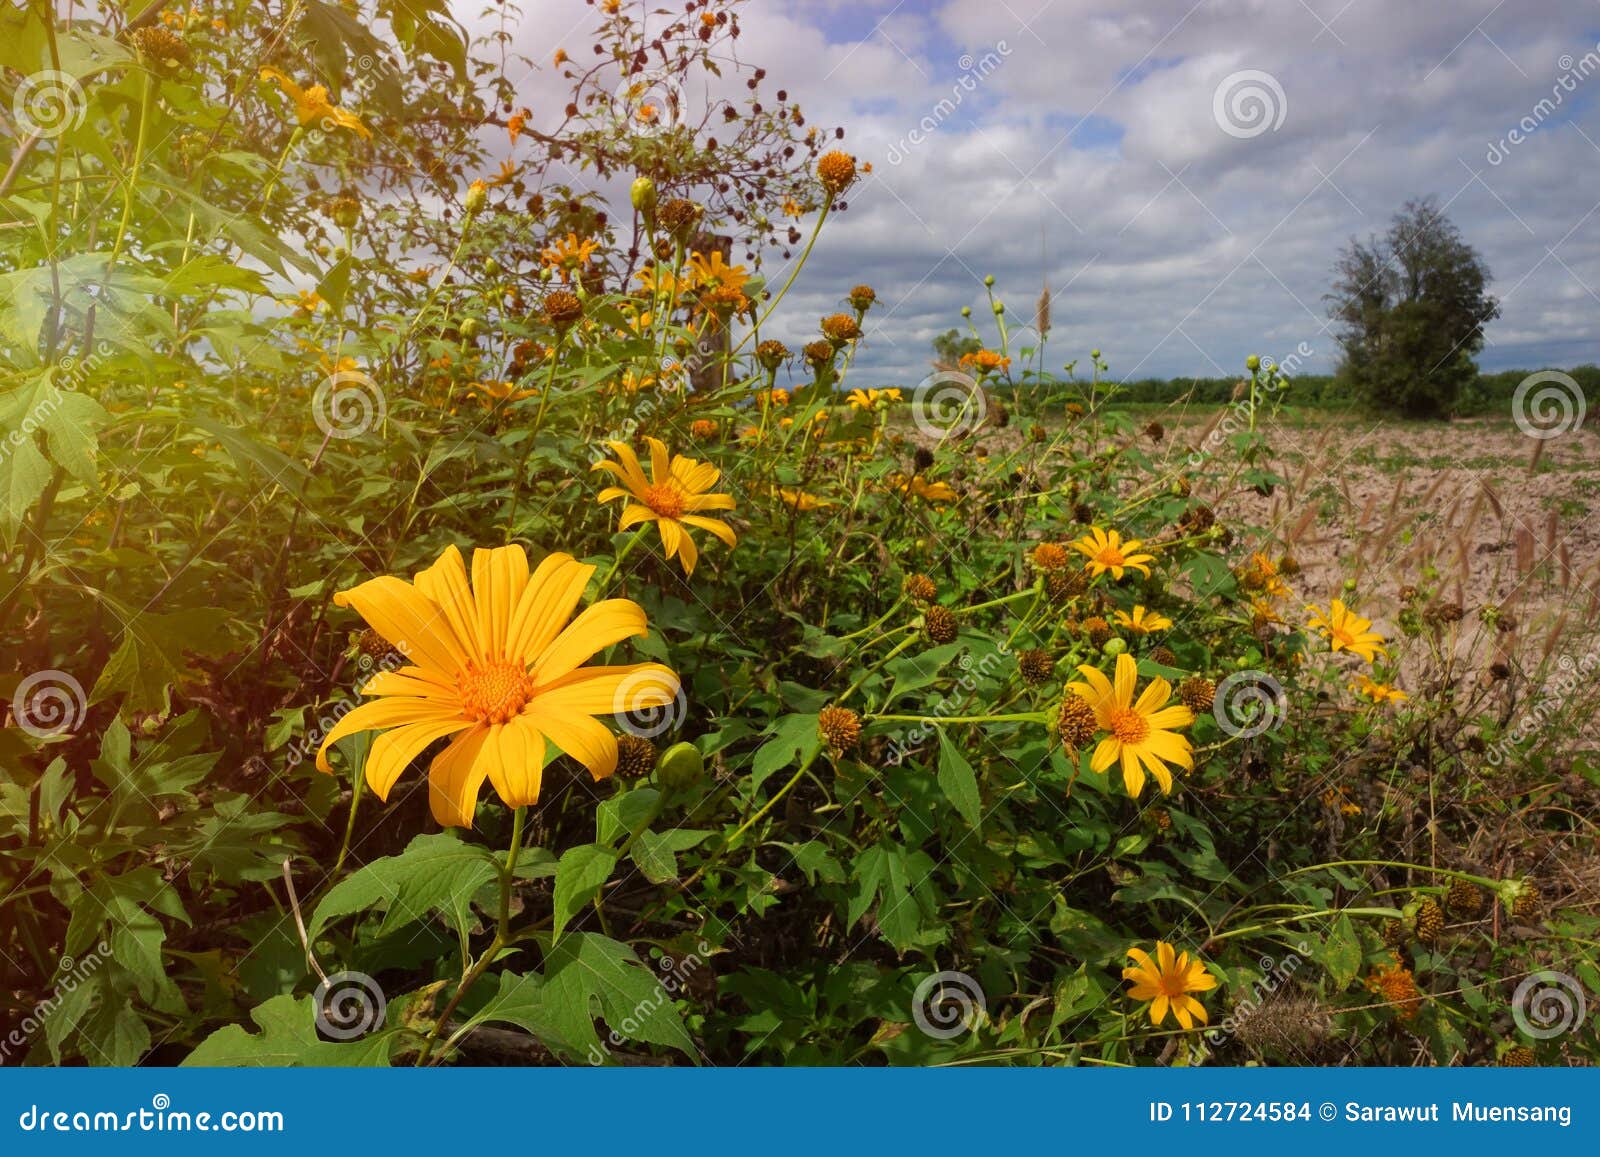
x: 680, y: 767
x: 1114, y: 646
x: 989, y: 281
x: 643, y: 195
x: 471, y: 328
x: 1252, y: 363
x: 966, y: 311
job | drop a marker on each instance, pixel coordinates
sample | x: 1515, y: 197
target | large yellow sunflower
x: 1347, y: 631
x: 497, y: 665
x: 1167, y: 981
x: 1106, y: 551
x: 1140, y: 730
x: 674, y: 497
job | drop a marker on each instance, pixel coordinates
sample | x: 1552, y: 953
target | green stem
x: 502, y: 938
x: 146, y: 99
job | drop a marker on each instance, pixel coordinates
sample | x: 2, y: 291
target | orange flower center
x: 1343, y: 637
x: 1110, y: 556
x: 665, y: 498
x: 1128, y: 725
x: 495, y: 692
x: 1171, y: 983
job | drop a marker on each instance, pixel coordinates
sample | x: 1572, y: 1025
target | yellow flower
x: 919, y: 487
x: 569, y: 256
x: 776, y: 397
x: 673, y: 497
x: 1106, y: 551
x: 712, y: 272
x: 1377, y: 692
x: 872, y: 399
x: 1167, y: 981
x: 1142, y: 622
x: 312, y: 106
x: 800, y: 499
x: 1347, y: 631
x: 986, y: 361
x: 499, y: 666
x: 1140, y: 730
x: 495, y: 392
x: 306, y: 301
x: 507, y: 174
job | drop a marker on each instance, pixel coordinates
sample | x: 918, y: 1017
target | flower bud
x: 1252, y: 363
x: 643, y: 195
x: 680, y: 767
x: 1114, y: 646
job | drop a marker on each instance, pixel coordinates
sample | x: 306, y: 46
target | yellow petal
x: 581, y: 737
x: 393, y: 751
x: 547, y: 604
x: 456, y: 777
x: 598, y: 627
x: 715, y: 525
x: 610, y: 690
x: 408, y: 619
x: 513, y: 755
x: 391, y: 712
x: 499, y: 578
x: 445, y: 582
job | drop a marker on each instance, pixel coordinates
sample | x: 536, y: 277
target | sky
x: 1181, y: 173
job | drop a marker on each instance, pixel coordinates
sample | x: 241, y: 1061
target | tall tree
x: 1411, y: 305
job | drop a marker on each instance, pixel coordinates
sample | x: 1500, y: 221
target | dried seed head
x: 1037, y: 666
x: 840, y: 726
x: 941, y: 624
x: 1076, y: 724
x: 921, y: 589
x: 1429, y: 922
x: 636, y: 756
x: 1197, y: 693
x: 1464, y: 900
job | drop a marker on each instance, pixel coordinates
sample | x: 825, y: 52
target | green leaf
x: 585, y: 970
x: 335, y: 285
x: 579, y: 873
x: 794, y: 737
x: 958, y: 781
x: 288, y: 1037
x: 154, y: 656
x: 436, y: 873
x: 1341, y: 953
x: 656, y: 853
